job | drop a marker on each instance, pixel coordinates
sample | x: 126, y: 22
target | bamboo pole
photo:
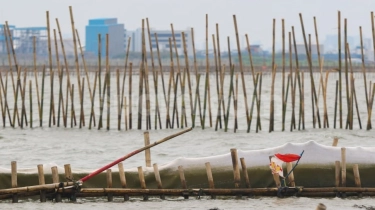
x: 108, y: 82
x: 235, y: 103
x: 82, y: 115
x: 130, y: 95
x: 109, y: 184
x: 195, y: 100
x: 273, y: 72
x: 335, y: 141
x: 241, y: 69
x: 292, y: 84
x: 3, y: 114
x: 175, y: 107
x: 229, y: 97
x: 126, y: 114
x: 314, y: 96
x: 157, y: 112
x: 196, y: 76
x: 93, y: 100
x: 158, y: 179
x: 340, y: 80
x: 348, y: 97
x: 7, y: 33
x: 146, y: 137
x: 67, y: 70
x: 81, y: 121
x: 141, y: 79
x: 236, y: 169
x: 86, y: 73
x: 343, y: 167
x: 100, y: 78
x: 364, y: 69
x: 18, y: 69
x: 122, y: 179
x: 119, y: 108
x: 123, y: 83
x: 357, y: 178
x: 188, y: 74
x: 207, y: 80
x: 6, y: 107
x: 31, y: 105
x: 218, y: 116
x: 255, y: 93
x: 60, y: 75
x: 182, y: 178
x: 14, y: 180
x: 23, y: 90
x: 50, y: 67
x: 142, y: 181
x: 51, y: 98
x: 335, y: 113
x: 41, y: 182
x: 161, y: 71
x: 297, y: 76
x: 55, y: 179
x: 337, y: 173
x: 283, y: 75
x: 244, y: 172
x: 221, y: 70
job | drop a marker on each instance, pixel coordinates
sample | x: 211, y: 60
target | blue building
x: 3, y: 48
x: 105, y: 26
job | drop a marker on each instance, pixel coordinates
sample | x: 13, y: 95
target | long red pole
x: 131, y: 154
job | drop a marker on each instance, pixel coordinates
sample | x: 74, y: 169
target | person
x: 321, y: 207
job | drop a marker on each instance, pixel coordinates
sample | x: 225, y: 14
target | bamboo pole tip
x: 321, y: 207
x: 233, y: 150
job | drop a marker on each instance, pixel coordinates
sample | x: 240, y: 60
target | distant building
x: 3, y: 47
x: 23, y: 40
x: 162, y: 40
x: 301, y: 49
x: 105, y: 26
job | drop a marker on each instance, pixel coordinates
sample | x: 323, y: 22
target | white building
x: 163, y: 37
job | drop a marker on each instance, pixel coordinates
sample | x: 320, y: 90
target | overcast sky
x: 253, y: 17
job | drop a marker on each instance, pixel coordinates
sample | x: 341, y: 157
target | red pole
x: 131, y: 154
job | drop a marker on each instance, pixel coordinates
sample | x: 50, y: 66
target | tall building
x: 105, y: 26
x: 163, y: 37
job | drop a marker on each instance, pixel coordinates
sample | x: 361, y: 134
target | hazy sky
x: 253, y: 17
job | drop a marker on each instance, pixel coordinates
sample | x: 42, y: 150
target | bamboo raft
x: 125, y: 188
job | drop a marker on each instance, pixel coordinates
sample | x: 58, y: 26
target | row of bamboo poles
x: 179, y: 77
x: 57, y: 189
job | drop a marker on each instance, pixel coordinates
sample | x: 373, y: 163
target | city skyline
x: 253, y: 18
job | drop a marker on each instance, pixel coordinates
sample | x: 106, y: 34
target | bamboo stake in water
x: 83, y: 91
x: 82, y: 115
x: 196, y: 75
x: 31, y: 104
x: 292, y: 84
x: 218, y: 116
x: 36, y: 77
x: 157, y: 113
x: 60, y: 80
x: 335, y: 113
x: 86, y: 72
x: 235, y: 99
x: 340, y: 82
x: 123, y: 80
x: 314, y: 96
x: 10, y: 69
x: 221, y: 97
x: 93, y: 100
x: 297, y: 77
x: 271, y: 126
x: 229, y: 97
x: 364, y: 69
x: 241, y: 69
x: 126, y: 115
x: 23, y: 110
x: 188, y: 73
x: 141, y: 78
x: 5, y: 88
x: 130, y: 94
x: 283, y: 76
x: 254, y: 99
x: 207, y: 83
x: 195, y: 101
x: 67, y: 72
x: 119, y: 108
